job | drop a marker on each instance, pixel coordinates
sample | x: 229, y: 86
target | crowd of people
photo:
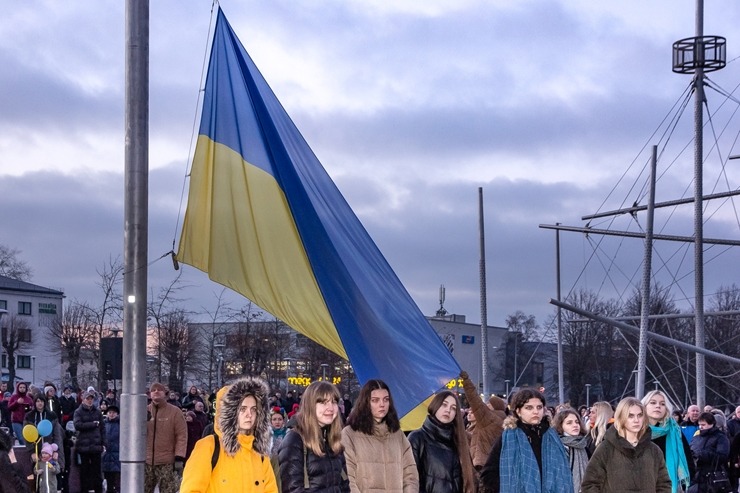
x: 246, y: 438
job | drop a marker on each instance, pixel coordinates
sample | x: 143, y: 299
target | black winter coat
x: 711, y: 450
x: 327, y: 474
x: 436, y: 458
x: 90, y: 436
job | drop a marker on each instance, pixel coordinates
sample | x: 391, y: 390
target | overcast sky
x: 410, y: 106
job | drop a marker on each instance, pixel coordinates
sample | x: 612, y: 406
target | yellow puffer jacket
x: 243, y: 463
x: 245, y: 472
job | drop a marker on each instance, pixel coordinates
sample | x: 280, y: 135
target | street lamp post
x: 287, y: 373
x: 588, y: 395
x: 507, y: 388
x: 656, y: 383
x: 33, y: 364
x: 219, y: 362
x: 324, y: 366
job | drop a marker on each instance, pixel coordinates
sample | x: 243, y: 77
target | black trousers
x: 91, y: 473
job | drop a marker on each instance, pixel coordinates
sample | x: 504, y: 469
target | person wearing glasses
x: 91, y: 443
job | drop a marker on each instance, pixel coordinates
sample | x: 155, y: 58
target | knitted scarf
x: 577, y: 457
x: 675, y: 458
x: 520, y: 472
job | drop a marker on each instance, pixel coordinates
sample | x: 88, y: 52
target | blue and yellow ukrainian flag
x: 265, y: 219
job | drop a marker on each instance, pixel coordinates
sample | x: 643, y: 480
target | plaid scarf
x: 518, y: 465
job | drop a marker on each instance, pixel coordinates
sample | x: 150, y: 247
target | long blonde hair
x: 604, y: 413
x: 308, y: 426
x: 622, y: 412
x: 668, y: 405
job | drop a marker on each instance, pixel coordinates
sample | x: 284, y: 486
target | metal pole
x: 507, y: 388
x: 698, y: 204
x: 646, y: 273
x: 588, y: 395
x: 561, y: 376
x: 651, y: 335
x: 136, y: 211
x: 483, y: 302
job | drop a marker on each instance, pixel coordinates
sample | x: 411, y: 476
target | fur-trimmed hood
x: 229, y: 399
x: 510, y: 422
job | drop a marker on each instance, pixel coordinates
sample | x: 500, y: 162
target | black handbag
x: 718, y: 481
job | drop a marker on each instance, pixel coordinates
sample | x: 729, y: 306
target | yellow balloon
x: 30, y: 433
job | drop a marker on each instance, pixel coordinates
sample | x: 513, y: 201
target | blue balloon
x: 44, y: 427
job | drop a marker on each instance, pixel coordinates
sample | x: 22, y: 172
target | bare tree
x: 208, y: 334
x: 161, y: 311
x: 106, y: 317
x: 12, y: 266
x: 173, y: 340
x: 723, y: 334
x: 593, y: 352
x: 71, y: 334
x: 15, y: 334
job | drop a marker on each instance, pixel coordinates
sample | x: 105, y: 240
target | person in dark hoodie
x: 56, y: 437
x: 242, y: 438
x: 627, y: 459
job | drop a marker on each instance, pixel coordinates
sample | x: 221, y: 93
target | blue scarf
x: 518, y: 465
x: 675, y: 458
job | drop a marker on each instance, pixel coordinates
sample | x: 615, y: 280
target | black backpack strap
x: 216, y: 451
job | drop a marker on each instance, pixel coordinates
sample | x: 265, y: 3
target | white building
x: 32, y: 307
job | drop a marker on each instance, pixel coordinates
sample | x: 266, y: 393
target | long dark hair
x: 460, y: 439
x: 361, y: 417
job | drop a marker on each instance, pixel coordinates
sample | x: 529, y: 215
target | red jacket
x: 17, y: 409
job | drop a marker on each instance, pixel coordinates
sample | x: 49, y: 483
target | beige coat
x: 381, y: 462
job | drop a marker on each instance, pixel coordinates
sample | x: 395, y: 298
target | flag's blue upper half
x: 265, y: 219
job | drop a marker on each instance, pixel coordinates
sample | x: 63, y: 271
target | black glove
x: 179, y: 464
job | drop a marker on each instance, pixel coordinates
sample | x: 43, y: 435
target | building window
x: 48, y: 308
x: 23, y: 362
x: 4, y: 363
x: 24, y: 335
x: 24, y: 308
x: 3, y: 304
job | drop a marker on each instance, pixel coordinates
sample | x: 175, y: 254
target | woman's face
x: 247, y: 413
x: 447, y: 411
x: 380, y: 401
x: 572, y: 425
x: 277, y: 421
x: 656, y: 408
x: 703, y: 425
x: 532, y: 411
x: 327, y: 411
x: 635, y: 419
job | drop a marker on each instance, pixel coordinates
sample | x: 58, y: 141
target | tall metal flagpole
x: 133, y: 398
x: 483, y: 301
x: 698, y: 205
x: 647, y: 271
x: 561, y: 366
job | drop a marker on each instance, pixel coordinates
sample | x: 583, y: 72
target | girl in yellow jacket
x: 242, y: 428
